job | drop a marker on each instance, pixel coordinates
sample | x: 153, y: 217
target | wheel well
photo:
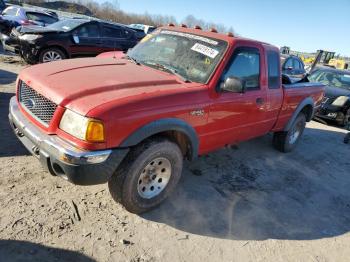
x: 307, y: 111
x: 180, y: 139
x: 55, y: 46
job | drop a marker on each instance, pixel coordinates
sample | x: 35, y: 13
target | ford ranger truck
x: 131, y: 120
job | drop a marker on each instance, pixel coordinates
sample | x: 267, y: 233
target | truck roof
x: 221, y: 36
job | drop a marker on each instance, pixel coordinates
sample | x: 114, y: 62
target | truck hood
x: 85, y: 83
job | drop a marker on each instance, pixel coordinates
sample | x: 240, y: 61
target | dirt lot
x: 249, y: 203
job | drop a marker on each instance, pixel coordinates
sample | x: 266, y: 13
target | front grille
x: 37, y: 105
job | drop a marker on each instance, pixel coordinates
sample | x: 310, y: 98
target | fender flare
x: 306, y: 102
x: 163, y: 125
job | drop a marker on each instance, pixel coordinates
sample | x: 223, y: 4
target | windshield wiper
x: 169, y: 69
x: 132, y: 59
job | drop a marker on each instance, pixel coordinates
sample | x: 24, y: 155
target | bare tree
x: 110, y: 10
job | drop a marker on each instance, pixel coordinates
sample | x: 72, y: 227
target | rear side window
x: 41, y: 18
x: 113, y: 32
x: 246, y: 66
x: 273, y: 62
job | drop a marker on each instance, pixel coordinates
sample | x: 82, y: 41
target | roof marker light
x: 230, y: 34
x: 213, y: 30
x: 197, y: 27
x: 171, y: 24
x: 183, y: 25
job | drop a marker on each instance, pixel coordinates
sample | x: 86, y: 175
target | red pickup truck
x: 131, y: 120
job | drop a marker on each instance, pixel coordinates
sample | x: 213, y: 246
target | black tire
x: 124, y: 184
x: 53, y: 50
x: 283, y: 141
x: 346, y: 120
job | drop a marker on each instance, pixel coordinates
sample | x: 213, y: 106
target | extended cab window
x: 245, y: 66
x: 273, y: 63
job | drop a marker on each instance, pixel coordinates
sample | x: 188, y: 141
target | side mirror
x: 232, y: 84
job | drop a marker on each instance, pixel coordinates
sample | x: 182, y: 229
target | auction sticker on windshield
x: 205, y: 50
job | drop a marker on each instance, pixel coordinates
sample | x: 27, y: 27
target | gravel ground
x: 246, y: 203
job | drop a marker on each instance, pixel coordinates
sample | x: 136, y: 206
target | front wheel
x: 147, y: 175
x: 286, y: 141
x: 51, y: 54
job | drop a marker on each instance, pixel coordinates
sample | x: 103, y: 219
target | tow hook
x: 19, y: 133
x: 36, y: 150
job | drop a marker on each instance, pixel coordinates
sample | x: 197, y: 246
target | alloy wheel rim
x: 51, y: 56
x: 154, y: 178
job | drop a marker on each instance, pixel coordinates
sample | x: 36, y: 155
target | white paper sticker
x: 210, y: 52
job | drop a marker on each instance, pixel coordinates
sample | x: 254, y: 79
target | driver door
x: 238, y: 116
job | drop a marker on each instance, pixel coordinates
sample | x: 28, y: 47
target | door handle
x: 259, y: 101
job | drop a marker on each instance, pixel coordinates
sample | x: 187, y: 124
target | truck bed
x: 293, y: 94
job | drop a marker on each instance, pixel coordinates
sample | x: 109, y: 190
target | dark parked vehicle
x: 2, y: 5
x: 18, y: 16
x: 5, y: 27
x: 71, y: 38
x: 142, y: 30
x: 336, y: 103
x: 292, y: 66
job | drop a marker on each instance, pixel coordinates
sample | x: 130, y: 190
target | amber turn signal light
x: 95, y: 131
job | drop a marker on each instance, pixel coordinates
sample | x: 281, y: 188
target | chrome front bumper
x: 51, y: 144
x: 61, y: 158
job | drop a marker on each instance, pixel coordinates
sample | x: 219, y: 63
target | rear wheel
x: 287, y: 141
x: 147, y: 176
x: 51, y: 54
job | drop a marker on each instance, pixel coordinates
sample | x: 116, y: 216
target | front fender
x: 163, y: 125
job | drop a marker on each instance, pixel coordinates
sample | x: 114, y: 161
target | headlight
x: 82, y: 127
x: 340, y: 101
x: 30, y: 37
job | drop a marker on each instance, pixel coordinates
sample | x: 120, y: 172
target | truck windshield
x: 193, y: 57
x: 329, y: 78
